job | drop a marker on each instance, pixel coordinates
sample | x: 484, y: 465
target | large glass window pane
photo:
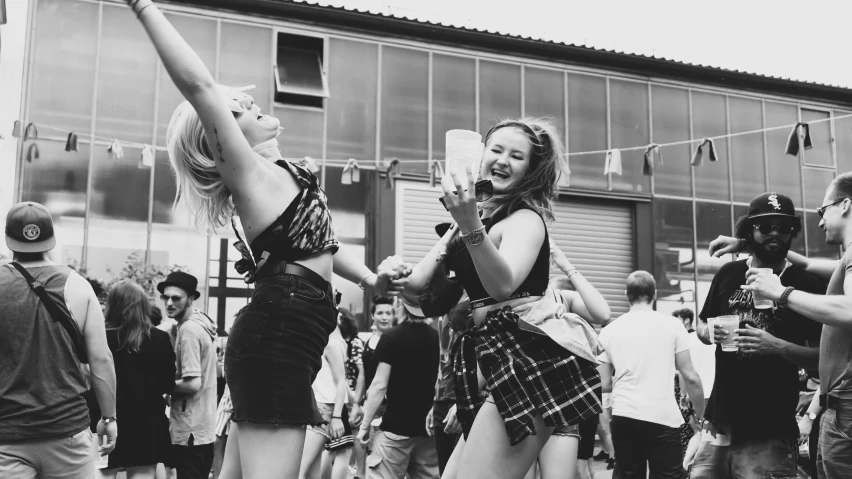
x: 629, y: 116
x: 587, y: 130
x: 302, y: 135
x: 64, y: 51
x: 817, y: 247
x: 120, y: 186
x: 709, y: 120
x: 711, y: 220
x: 747, y: 150
x: 785, y: 175
x: 165, y: 189
x: 843, y: 144
x: 499, y: 93
x: 405, y: 109
x: 200, y: 34
x: 126, y: 81
x: 671, y: 124
x: 674, y: 255
x: 352, y: 104
x: 544, y: 95
x: 184, y: 246
x: 820, y: 154
x: 453, y: 99
x: 816, y: 182
x: 245, y: 58
x: 111, y: 244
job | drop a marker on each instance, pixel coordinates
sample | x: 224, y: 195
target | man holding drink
x: 751, y: 414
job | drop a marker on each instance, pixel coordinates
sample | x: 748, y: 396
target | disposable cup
x: 464, y: 149
x: 730, y: 323
x: 761, y: 302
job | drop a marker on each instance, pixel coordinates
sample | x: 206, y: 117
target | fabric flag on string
x: 310, y: 164
x: 351, y: 172
x: 16, y: 129
x: 148, y: 157
x: 30, y: 132
x: 436, y: 170
x: 71, y: 142
x: 116, y: 150
x: 392, y: 171
x: 652, y: 154
x: 800, y: 139
x: 3, y: 12
x: 698, y: 156
x: 32, y: 152
x: 612, y: 163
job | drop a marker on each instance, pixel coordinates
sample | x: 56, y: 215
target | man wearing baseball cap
x: 50, y: 323
x: 193, y: 411
x: 751, y: 413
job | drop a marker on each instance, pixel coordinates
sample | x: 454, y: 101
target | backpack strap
x: 53, y: 309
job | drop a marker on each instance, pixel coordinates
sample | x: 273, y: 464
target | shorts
x: 588, y: 429
x: 286, y: 324
x: 71, y: 456
x: 326, y: 410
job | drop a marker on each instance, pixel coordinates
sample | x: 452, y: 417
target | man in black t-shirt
x: 407, y: 358
x: 752, y: 409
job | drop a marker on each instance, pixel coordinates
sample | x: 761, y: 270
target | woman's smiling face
x: 506, y: 158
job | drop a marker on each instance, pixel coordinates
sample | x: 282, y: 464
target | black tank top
x: 460, y: 261
x: 370, y: 365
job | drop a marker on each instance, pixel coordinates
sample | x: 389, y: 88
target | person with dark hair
x: 643, y: 349
x: 500, y: 253
x: 145, y: 369
x: 752, y: 409
x: 687, y: 317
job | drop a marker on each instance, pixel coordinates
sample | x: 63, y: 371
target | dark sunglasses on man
x: 484, y: 190
x: 766, y: 227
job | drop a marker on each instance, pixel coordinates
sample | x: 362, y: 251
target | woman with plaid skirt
x: 527, y: 367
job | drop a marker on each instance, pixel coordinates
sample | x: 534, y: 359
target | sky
x: 807, y: 41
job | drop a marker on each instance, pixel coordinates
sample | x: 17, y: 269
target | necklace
x: 787, y: 264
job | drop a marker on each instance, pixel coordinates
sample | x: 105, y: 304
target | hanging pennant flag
x: 2, y: 12
x: 800, y: 139
x: 351, y: 173
x: 436, y: 170
x: 698, y: 156
x: 71, y: 142
x: 612, y: 164
x: 116, y: 150
x: 148, y: 157
x: 30, y: 132
x: 16, y: 129
x: 32, y: 152
x: 310, y: 164
x: 392, y: 171
x: 652, y: 154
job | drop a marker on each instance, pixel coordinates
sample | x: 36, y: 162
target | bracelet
x: 572, y: 272
x: 108, y: 420
x: 134, y: 5
x: 475, y: 237
x: 782, y: 301
x: 337, y: 417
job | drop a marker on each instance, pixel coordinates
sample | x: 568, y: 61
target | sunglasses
x: 766, y: 227
x: 175, y: 299
x: 484, y: 190
x: 821, y: 209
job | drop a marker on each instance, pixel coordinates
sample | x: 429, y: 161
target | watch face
x: 812, y: 415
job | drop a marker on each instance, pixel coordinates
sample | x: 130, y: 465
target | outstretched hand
x: 723, y: 245
x: 462, y: 202
x: 387, y: 283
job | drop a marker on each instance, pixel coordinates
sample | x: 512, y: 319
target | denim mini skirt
x: 274, y: 350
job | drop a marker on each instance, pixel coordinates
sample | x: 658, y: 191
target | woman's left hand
x: 462, y: 205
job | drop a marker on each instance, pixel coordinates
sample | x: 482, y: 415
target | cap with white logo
x: 29, y: 228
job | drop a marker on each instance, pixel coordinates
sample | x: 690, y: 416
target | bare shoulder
x: 79, y: 295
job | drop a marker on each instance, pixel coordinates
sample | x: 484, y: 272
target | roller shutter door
x: 596, y: 236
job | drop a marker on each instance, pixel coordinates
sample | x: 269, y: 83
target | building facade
x: 356, y: 86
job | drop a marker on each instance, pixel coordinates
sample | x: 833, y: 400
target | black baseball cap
x: 771, y: 204
x: 29, y: 228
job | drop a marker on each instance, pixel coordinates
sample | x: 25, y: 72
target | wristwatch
x: 813, y: 416
x: 108, y: 420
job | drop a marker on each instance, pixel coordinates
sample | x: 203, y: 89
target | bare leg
x: 327, y: 462
x: 218, y: 455
x: 493, y: 455
x: 312, y: 456
x: 266, y: 450
x: 107, y: 473
x: 360, y: 460
x: 231, y: 467
x: 558, y: 458
x: 451, y: 470
x: 531, y: 474
x: 142, y: 472
x: 340, y: 468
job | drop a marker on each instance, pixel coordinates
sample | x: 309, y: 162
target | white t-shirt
x: 323, y: 386
x: 704, y: 359
x: 641, y: 347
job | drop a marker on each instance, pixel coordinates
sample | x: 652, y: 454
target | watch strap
x: 108, y: 420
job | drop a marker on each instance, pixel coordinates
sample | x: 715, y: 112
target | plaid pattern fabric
x: 354, y: 350
x: 527, y: 375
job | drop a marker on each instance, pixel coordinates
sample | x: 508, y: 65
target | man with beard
x: 751, y: 413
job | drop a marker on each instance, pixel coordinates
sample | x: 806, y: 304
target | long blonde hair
x: 200, y: 187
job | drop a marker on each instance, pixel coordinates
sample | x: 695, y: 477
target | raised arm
x: 587, y: 301
x: 226, y: 142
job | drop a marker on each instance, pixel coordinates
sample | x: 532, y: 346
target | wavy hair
x: 348, y: 323
x: 538, y: 187
x: 129, y: 312
x: 200, y: 187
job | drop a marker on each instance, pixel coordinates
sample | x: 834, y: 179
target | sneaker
x: 610, y: 464
x: 602, y: 456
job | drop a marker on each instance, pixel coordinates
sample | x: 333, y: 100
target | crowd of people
x: 481, y: 365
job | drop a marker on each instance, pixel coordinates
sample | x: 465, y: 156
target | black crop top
x: 302, y: 230
x: 459, y: 260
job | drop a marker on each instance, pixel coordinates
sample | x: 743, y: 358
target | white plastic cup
x: 464, y: 149
x: 730, y: 323
x: 710, y: 327
x: 761, y: 302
